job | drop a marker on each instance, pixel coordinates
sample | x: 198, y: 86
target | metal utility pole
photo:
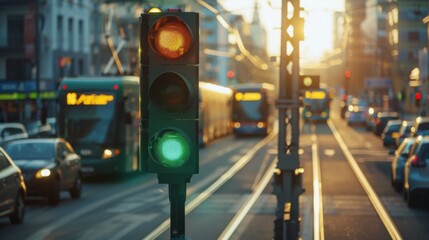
x: 288, y: 176
x: 37, y: 61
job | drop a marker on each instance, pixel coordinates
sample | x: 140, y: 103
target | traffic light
x: 169, y: 44
x: 307, y: 82
x: 347, y: 74
x: 417, y: 98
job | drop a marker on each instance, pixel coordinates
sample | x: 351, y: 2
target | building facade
x: 407, y: 35
x: 34, y: 60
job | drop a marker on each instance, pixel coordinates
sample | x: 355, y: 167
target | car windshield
x: 386, y: 119
x: 394, y: 128
x: 423, y: 133
x: 423, y: 150
x: 423, y: 126
x: 30, y: 151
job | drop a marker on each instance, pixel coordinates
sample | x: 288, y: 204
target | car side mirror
x: 64, y: 155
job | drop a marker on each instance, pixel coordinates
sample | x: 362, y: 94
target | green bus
x: 100, y: 116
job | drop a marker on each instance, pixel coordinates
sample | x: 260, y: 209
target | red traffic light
x: 170, y: 37
x: 230, y: 74
x: 348, y: 74
x: 418, y: 96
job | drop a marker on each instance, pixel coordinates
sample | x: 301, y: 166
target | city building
x: 77, y: 38
x: 355, y: 60
x: 34, y: 60
x: 407, y: 35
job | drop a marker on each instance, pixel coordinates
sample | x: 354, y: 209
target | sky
x: 317, y: 29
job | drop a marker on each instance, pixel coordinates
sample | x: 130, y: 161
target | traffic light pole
x: 177, y: 194
x: 288, y: 175
x: 169, y: 104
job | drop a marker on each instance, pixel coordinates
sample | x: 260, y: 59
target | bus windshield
x: 246, y: 104
x: 90, y: 123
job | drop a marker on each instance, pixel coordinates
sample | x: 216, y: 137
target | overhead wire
x: 255, y: 60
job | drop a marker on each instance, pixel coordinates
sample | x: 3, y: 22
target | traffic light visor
x: 170, y: 148
x: 170, y: 37
x: 170, y: 93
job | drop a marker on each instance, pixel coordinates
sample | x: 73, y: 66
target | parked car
x: 391, y: 132
x: 404, y: 131
x: 421, y: 124
x: 382, y: 119
x: 13, y: 191
x: 398, y: 163
x: 345, y: 103
x: 49, y: 165
x: 12, y: 131
x: 37, y: 129
x: 356, y: 115
x: 53, y: 123
x: 371, y: 117
x: 416, y: 172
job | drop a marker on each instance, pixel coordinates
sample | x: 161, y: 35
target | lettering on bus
x: 315, y: 95
x: 88, y: 99
x: 248, y: 96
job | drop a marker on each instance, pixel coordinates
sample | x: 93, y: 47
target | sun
x: 318, y: 32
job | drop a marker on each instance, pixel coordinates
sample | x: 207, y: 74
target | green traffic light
x: 170, y: 148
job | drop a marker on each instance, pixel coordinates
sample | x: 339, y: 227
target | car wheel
x: 397, y: 186
x: 17, y: 216
x: 411, y: 199
x: 54, y: 196
x: 76, y: 190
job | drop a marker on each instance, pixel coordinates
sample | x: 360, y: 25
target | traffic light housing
x: 417, y: 99
x: 169, y: 44
x: 307, y: 82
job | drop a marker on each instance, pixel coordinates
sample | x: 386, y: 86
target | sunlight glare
x: 318, y: 33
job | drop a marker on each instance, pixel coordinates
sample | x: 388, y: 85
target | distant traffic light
x: 307, y: 82
x: 347, y: 74
x: 169, y: 94
x: 230, y: 74
x: 417, y: 99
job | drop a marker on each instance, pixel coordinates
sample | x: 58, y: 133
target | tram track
x: 318, y: 204
x: 221, y: 180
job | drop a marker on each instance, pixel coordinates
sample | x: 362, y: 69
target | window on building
x: 18, y: 69
x: 71, y: 34
x: 413, y: 36
x: 15, y: 31
x: 81, y: 70
x: 60, y: 32
x: 412, y: 56
x: 80, y: 29
x: 395, y: 36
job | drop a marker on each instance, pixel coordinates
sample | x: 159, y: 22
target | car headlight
x: 109, y: 153
x: 43, y: 173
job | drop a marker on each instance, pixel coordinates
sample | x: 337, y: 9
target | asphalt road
x: 138, y: 207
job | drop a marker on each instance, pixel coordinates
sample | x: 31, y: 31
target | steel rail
x: 375, y: 200
x: 203, y: 196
